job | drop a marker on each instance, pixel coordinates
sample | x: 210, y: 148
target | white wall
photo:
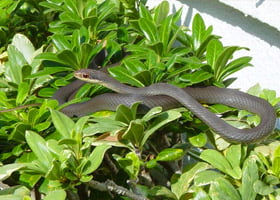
x: 248, y: 23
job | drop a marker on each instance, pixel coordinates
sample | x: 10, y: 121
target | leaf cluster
x: 134, y: 152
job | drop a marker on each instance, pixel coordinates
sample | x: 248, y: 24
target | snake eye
x: 85, y: 76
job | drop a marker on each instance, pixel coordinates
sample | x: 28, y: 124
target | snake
x: 167, y: 96
x: 170, y: 96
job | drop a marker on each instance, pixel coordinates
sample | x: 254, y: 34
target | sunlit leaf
x: 95, y: 158
x: 39, y: 146
x: 223, y: 189
x: 63, y: 124
x: 7, y: 170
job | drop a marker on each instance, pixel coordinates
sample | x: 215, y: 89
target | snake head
x: 83, y: 74
x: 88, y: 75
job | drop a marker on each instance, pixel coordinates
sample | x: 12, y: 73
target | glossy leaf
x: 69, y: 57
x: 149, y: 30
x: 198, y: 29
x: 196, y: 77
x: 233, y: 155
x: 124, y: 76
x: 56, y: 194
x: 213, y: 50
x: 134, y: 133
x: 206, y: 177
x: 236, y: 65
x: 8, y: 169
x: 249, y: 177
x: 23, y: 90
x: 161, y: 191
x: 144, y: 12
x: 24, y: 46
x: 262, y: 188
x: 170, y: 154
x: 13, y: 67
x: 223, y: 59
x: 165, y: 31
x: 130, y: 164
x: 161, y: 12
x: 123, y: 114
x: 160, y: 121
x: 217, y: 160
x: 61, y: 42
x: 198, y: 140
x: 181, y: 186
x: 39, y: 146
x: 223, y: 189
x: 63, y: 124
x: 102, y: 126
x: 96, y: 158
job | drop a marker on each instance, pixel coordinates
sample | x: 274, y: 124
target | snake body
x: 169, y: 96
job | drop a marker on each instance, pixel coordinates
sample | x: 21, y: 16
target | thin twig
x: 113, y: 187
x: 20, y: 107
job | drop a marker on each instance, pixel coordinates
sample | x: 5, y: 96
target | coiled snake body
x: 169, y: 96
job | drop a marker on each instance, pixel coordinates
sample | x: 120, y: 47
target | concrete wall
x: 249, y: 23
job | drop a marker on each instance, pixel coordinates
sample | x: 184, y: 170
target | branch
x: 113, y: 187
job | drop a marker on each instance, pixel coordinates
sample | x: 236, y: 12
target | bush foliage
x: 121, y: 155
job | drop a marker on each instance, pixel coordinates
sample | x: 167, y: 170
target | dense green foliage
x: 121, y: 155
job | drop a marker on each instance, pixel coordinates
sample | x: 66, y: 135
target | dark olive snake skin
x: 169, y: 96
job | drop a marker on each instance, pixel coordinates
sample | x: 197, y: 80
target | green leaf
x: 134, y: 65
x: 216, y: 159
x: 39, y: 146
x: 236, y: 65
x: 149, y: 29
x: 196, y: 77
x: 61, y: 42
x: 56, y: 194
x: 134, y: 133
x: 29, y: 179
x: 54, y: 172
x: 206, y: 177
x: 161, y: 12
x: 8, y: 169
x: 169, y: 154
x: 145, y: 13
x: 164, y: 32
x: 213, y: 50
x: 69, y: 57
x: 62, y: 123
x: 181, y: 186
x: 198, y: 140
x: 23, y: 90
x: 24, y: 46
x: 48, y: 71
x: 233, y: 155
x: 249, y: 178
x: 123, y: 114
x: 202, y: 48
x: 198, y: 29
x: 145, y: 77
x: 223, y: 59
x: 14, y: 65
x: 95, y: 158
x: 124, y: 76
x: 262, y: 188
x: 161, y: 191
x: 276, y: 165
x: 151, y: 113
x: 79, y: 125
x: 130, y: 164
x: 223, y: 189
x: 161, y: 120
